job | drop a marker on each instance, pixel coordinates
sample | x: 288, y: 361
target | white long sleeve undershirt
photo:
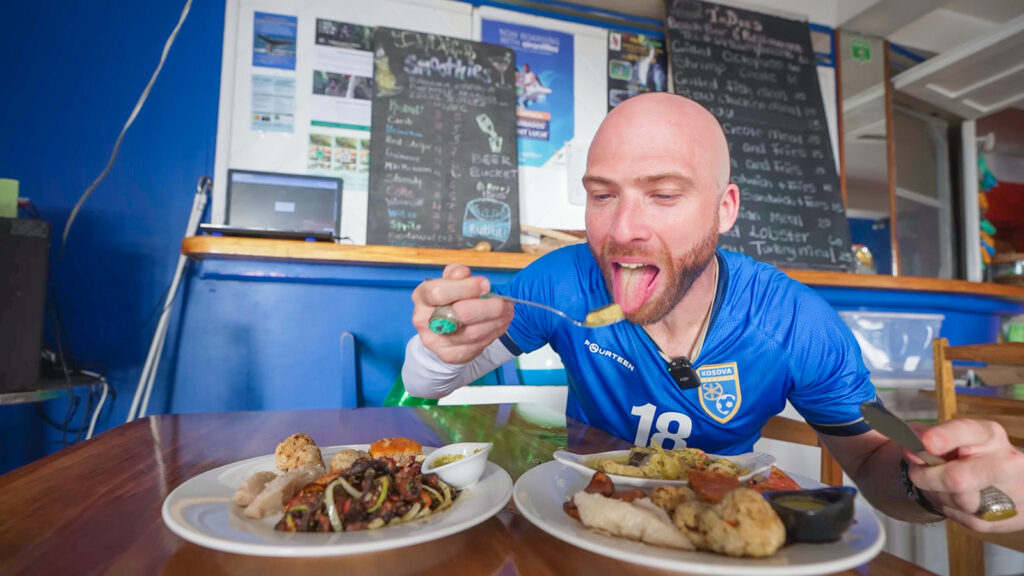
x: 427, y: 376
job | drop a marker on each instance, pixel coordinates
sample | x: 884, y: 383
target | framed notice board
x: 757, y: 74
x: 443, y: 169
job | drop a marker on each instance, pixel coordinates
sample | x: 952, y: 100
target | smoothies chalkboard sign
x: 443, y: 170
x: 757, y: 74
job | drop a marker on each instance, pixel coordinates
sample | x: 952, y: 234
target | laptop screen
x: 283, y: 202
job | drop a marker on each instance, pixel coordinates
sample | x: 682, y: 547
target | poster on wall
x: 342, y: 75
x: 544, y: 87
x: 273, y: 103
x: 636, y: 64
x: 341, y: 103
x: 273, y: 40
x: 443, y: 168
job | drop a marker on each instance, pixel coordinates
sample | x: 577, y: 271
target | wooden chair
x: 966, y: 553
x: 790, y: 430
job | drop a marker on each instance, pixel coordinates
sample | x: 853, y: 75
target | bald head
x: 662, y: 124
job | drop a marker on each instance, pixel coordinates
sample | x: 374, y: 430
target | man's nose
x: 630, y: 222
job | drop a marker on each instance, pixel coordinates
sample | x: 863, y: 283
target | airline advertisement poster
x: 544, y: 87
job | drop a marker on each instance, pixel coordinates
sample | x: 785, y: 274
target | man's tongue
x: 633, y: 286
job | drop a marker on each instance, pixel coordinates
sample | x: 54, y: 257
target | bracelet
x: 913, y: 492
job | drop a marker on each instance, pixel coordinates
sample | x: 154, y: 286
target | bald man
x: 715, y: 343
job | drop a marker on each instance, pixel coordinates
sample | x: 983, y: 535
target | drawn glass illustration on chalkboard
x: 383, y: 77
x: 501, y: 64
x: 487, y: 127
x: 486, y: 219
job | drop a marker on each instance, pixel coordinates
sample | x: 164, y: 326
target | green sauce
x: 801, y: 502
x: 447, y: 459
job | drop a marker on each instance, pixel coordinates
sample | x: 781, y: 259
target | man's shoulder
x: 750, y: 276
x: 772, y: 301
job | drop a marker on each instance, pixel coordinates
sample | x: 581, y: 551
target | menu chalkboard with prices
x: 443, y: 169
x: 757, y: 74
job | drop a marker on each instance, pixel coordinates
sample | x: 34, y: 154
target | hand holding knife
x: 995, y: 505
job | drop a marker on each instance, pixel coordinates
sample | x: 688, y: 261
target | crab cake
x: 742, y: 524
x: 343, y: 460
x: 297, y: 450
x: 669, y: 497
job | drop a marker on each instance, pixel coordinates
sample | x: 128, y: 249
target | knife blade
x: 995, y: 504
x: 880, y: 418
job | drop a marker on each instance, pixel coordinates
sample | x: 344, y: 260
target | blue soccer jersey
x: 770, y: 339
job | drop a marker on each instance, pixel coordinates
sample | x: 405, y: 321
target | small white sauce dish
x: 465, y: 471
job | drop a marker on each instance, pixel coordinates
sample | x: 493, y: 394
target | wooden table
x: 94, y: 508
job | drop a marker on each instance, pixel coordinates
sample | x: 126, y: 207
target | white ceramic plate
x: 201, y: 511
x: 756, y: 462
x: 541, y: 491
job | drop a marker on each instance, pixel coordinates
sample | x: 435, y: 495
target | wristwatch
x: 913, y: 492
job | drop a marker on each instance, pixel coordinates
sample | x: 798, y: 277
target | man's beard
x: 679, y: 274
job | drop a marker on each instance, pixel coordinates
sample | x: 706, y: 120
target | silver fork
x: 443, y: 320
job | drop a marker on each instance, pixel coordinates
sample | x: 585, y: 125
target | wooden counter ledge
x: 203, y: 247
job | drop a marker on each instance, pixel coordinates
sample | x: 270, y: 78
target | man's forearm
x: 427, y: 376
x: 879, y: 479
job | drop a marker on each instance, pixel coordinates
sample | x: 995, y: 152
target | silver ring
x: 995, y: 505
x: 443, y: 320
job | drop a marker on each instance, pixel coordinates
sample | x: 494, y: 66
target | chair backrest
x: 966, y: 553
x: 786, y: 429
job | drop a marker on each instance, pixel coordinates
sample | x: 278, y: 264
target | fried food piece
x: 297, y: 450
x: 712, y: 486
x: 668, y: 498
x: 775, y: 480
x: 639, y: 520
x: 343, y: 460
x: 393, y: 447
x: 742, y: 524
x: 252, y: 487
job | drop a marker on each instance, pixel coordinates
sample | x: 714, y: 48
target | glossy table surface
x: 94, y: 508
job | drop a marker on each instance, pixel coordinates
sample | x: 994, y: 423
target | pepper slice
x: 332, y: 511
x: 384, y: 484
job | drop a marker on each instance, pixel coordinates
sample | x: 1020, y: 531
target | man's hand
x: 979, y: 455
x: 481, y: 320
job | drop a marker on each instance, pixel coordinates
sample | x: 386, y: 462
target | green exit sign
x: 860, y: 50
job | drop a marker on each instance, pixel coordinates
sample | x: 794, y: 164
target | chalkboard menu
x: 443, y: 168
x: 757, y: 74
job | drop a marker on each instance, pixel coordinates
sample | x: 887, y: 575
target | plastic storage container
x: 897, y: 347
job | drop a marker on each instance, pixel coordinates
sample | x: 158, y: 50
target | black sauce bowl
x: 819, y: 515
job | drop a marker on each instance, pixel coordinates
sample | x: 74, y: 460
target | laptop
x: 271, y: 205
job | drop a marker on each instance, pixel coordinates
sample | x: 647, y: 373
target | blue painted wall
x: 72, y: 72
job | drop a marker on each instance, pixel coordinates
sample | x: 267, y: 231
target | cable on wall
x: 131, y: 119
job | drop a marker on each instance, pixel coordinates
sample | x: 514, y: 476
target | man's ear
x: 728, y: 208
